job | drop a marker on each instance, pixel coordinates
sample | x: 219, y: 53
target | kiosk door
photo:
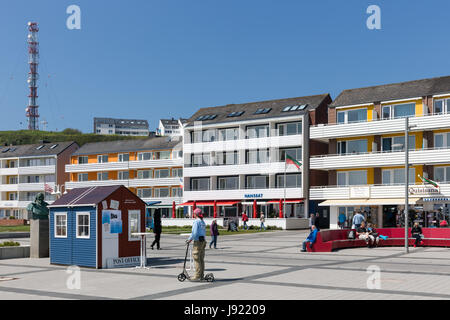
x: 111, y: 227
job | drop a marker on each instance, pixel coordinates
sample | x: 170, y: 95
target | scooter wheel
x: 181, y: 277
x: 209, y: 278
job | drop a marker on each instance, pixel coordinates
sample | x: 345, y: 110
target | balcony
x: 333, y: 131
x: 244, y: 144
x: 244, y: 194
x: 113, y: 166
x: 380, y: 159
x: 176, y: 181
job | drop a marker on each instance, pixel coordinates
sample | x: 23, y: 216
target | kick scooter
x: 209, y: 277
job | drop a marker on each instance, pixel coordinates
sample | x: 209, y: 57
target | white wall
x: 285, y: 224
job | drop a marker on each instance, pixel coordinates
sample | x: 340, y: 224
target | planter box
x: 13, y: 222
x: 14, y: 252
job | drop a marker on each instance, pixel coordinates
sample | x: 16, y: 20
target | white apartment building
x: 234, y: 157
x: 26, y: 169
x: 366, y: 158
x: 124, y: 127
x: 151, y: 168
x: 171, y: 127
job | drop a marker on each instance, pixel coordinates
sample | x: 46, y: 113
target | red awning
x: 209, y: 203
x: 287, y: 201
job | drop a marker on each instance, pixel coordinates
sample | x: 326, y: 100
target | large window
x: 293, y: 180
x: 124, y: 175
x: 352, y: 146
x: 352, y: 178
x: 144, y: 174
x: 227, y: 158
x: 442, y: 174
x: 291, y: 128
x: 228, y: 134
x: 83, y: 225
x: 101, y: 176
x: 442, y: 140
x: 397, y: 176
x: 124, y: 157
x: 177, y: 192
x: 350, y: 116
x: 161, y: 173
x: 162, y: 192
x: 83, y: 177
x: 177, y: 172
x: 228, y: 183
x: 200, y: 160
x: 295, y: 153
x: 398, y: 143
x: 257, y: 156
x: 399, y: 111
x: 142, y: 156
x: 200, y: 184
x: 60, y: 225
x: 102, y: 158
x: 83, y: 160
x: 441, y: 106
x: 161, y: 155
x: 257, y: 182
x: 144, y: 192
x: 134, y: 224
x: 261, y: 131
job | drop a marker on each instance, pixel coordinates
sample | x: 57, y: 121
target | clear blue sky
x: 158, y: 59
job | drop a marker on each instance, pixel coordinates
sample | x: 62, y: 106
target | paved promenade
x: 254, y: 266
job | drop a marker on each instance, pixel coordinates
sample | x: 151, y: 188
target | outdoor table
x: 143, y: 236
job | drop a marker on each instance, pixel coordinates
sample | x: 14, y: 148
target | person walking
x: 214, y: 234
x: 262, y: 220
x: 198, y: 235
x: 416, y: 233
x: 312, y: 217
x: 357, y: 220
x: 317, y: 221
x: 341, y: 220
x: 157, y: 229
x: 244, y: 220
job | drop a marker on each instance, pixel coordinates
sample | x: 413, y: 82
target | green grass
x: 9, y: 244
x: 14, y: 228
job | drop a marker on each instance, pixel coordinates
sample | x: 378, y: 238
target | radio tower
x: 33, y: 61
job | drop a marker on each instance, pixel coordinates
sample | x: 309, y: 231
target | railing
x: 375, y: 152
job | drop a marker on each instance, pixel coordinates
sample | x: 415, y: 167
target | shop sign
x: 360, y: 192
x: 123, y: 262
x: 424, y: 190
x: 253, y: 195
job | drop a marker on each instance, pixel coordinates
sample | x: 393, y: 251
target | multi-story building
x: 171, y: 127
x: 234, y: 157
x: 366, y: 157
x: 26, y: 170
x: 151, y: 168
x: 124, y: 127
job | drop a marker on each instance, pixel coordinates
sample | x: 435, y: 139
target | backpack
x: 351, y: 234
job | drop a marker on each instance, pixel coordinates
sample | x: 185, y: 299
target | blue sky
x: 158, y: 59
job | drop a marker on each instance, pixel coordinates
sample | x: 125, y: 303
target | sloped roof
x: 34, y: 150
x: 394, y: 91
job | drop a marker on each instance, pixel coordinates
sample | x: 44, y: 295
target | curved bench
x: 329, y: 240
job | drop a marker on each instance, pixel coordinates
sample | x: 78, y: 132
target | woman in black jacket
x: 157, y: 229
x: 416, y: 233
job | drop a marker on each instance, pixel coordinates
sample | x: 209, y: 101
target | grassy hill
x: 30, y: 137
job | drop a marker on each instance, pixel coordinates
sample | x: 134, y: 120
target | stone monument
x: 39, y: 228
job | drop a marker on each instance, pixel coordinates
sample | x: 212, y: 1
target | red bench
x: 329, y: 240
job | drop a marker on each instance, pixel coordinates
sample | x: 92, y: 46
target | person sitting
x: 363, y: 234
x: 416, y: 233
x: 311, y: 238
x: 374, y: 234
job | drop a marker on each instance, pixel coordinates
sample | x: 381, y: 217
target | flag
x: 290, y: 160
x: 48, y: 189
x: 425, y: 180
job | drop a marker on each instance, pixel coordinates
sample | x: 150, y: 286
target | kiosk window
x: 60, y: 225
x: 83, y: 225
x: 134, y: 224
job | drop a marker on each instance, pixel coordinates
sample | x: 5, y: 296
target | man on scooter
x: 198, y: 234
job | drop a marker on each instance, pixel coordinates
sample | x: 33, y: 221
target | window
x: 227, y: 158
x: 83, y: 177
x: 144, y: 174
x: 33, y: 179
x: 124, y: 157
x: 200, y: 184
x: 134, y: 224
x: 144, y: 192
x: 257, y: 182
x: 101, y: 176
x: 49, y: 161
x: 441, y: 106
x: 399, y: 111
x: 123, y: 175
x: 236, y: 114
x: 288, y: 129
x: 102, y: 158
x: 397, y: 176
x: 257, y: 131
x: 162, y: 192
x: 161, y: 173
x: 177, y: 192
x: 162, y: 155
x: 49, y: 178
x: 351, y: 178
x: 228, y: 183
x: 196, y: 136
x: 33, y: 162
x: 257, y: 156
x: 350, y: 116
x: 12, y: 196
x: 263, y: 110
x: 177, y: 172
x: 442, y: 140
x: 228, y: 134
x: 295, y: 153
x: 13, y: 180
x: 295, y: 108
x: 83, y: 224
x: 60, y: 225
x: 352, y: 146
x: 293, y: 180
x: 398, y: 143
x: 143, y: 156
x: 83, y: 160
x: 209, y: 135
x: 442, y: 174
x: 199, y: 160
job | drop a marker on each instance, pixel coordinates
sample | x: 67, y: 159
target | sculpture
x: 38, y: 209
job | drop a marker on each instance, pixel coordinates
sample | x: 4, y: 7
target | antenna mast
x: 33, y: 61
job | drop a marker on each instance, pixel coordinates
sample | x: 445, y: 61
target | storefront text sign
x: 123, y: 262
x: 254, y: 195
x: 360, y: 192
x: 424, y: 190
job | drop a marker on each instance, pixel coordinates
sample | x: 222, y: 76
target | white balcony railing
x: 113, y: 166
x: 162, y: 182
x: 257, y: 168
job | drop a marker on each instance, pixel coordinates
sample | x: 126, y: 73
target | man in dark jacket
x: 157, y: 229
x: 317, y: 221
